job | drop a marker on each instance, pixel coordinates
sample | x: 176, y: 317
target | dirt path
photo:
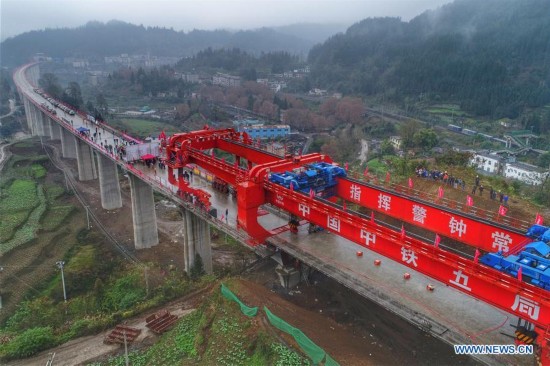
x: 86, y: 349
x: 4, y: 151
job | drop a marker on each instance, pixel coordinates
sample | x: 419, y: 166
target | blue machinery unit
x: 533, y: 259
x: 319, y: 177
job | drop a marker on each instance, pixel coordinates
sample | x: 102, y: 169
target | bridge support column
x: 196, y: 240
x: 68, y: 145
x: 55, y: 131
x: 28, y: 114
x: 45, y: 123
x: 85, y: 158
x: 108, y: 183
x: 288, y: 276
x: 143, y: 213
x: 50, y: 124
x: 31, y: 117
x: 39, y: 124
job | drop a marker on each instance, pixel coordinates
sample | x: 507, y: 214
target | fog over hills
x: 491, y: 56
x: 96, y: 39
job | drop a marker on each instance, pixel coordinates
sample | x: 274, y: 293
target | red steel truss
x: 249, y: 175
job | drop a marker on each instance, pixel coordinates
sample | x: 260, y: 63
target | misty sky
x: 19, y: 16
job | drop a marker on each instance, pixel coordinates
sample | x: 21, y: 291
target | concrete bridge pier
x: 55, y: 131
x: 33, y: 122
x: 38, y: 123
x: 144, y: 216
x: 45, y: 122
x: 196, y: 240
x: 291, y: 271
x: 29, y: 113
x: 68, y: 144
x: 85, y: 159
x: 109, y: 186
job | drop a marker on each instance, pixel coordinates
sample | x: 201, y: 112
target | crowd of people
x: 441, y: 176
x: 459, y: 183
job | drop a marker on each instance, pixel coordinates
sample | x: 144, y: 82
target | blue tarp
x: 83, y: 129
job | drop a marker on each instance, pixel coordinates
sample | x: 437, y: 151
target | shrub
x: 35, y: 313
x: 197, y: 269
x: 38, y: 171
x: 30, y: 342
x: 124, y: 293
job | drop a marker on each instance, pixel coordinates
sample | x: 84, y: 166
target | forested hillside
x: 240, y: 62
x: 492, y: 57
x: 96, y: 40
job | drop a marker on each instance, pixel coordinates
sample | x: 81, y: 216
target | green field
x: 143, y: 127
x: 215, y: 334
x: 26, y: 203
x: 446, y: 110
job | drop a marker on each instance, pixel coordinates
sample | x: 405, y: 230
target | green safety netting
x: 246, y: 310
x: 313, y: 351
x: 330, y: 362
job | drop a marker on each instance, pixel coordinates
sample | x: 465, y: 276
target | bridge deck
x: 446, y: 313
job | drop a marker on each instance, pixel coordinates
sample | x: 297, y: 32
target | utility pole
x: 66, y: 180
x: 88, y: 216
x: 1, y: 270
x: 50, y: 359
x: 60, y: 265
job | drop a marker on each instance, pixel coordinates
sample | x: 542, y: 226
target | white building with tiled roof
x: 527, y: 173
x: 490, y: 163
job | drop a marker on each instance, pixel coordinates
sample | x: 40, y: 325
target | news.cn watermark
x: 493, y: 349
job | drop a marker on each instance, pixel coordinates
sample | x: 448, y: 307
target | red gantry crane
x: 253, y: 174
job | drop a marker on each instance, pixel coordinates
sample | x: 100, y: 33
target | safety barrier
x: 313, y: 351
x: 246, y: 310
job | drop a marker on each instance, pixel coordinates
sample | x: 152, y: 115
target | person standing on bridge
x: 226, y: 215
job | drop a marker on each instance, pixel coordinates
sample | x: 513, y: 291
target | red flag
x: 402, y: 232
x: 291, y: 186
x: 437, y: 240
x: 366, y: 172
x: 344, y: 206
x: 469, y: 200
x: 502, y: 210
x: 346, y: 165
x: 222, y: 217
x: 372, y: 217
x: 476, y: 256
x: 311, y: 193
x: 162, y: 136
x: 520, y: 273
x: 236, y: 163
x: 440, y: 192
x: 410, y: 183
x: 223, y: 160
x: 539, y: 220
x: 388, y: 177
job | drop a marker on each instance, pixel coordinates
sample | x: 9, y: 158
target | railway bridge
x: 446, y: 291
